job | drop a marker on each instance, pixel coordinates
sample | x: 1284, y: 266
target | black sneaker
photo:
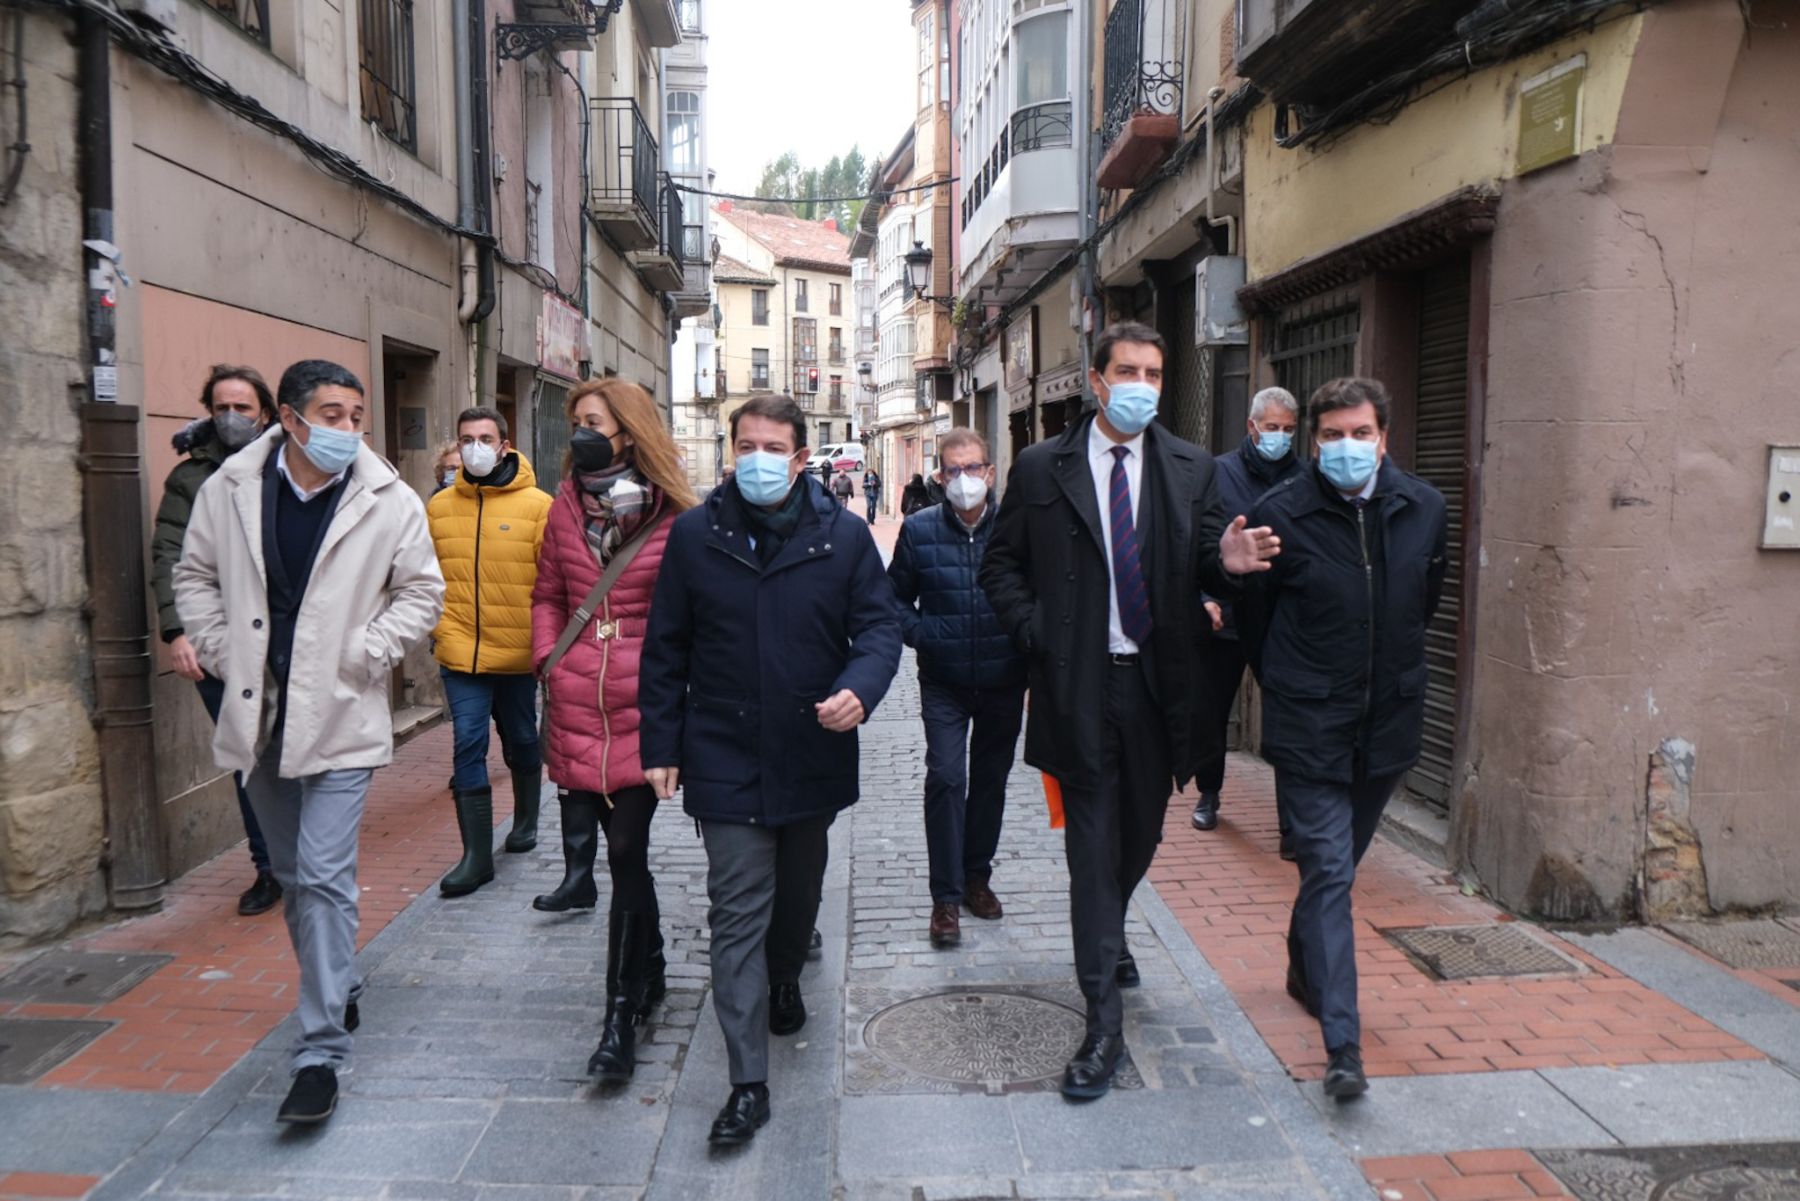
x: 1344, y: 1079
x: 312, y: 1098
x: 815, y: 946
x: 261, y: 896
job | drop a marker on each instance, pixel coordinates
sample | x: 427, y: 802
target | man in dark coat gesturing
x: 773, y: 634
x: 1336, y: 636
x: 1105, y: 538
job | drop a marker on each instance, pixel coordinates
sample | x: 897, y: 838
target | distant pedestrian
x: 1109, y: 626
x: 843, y: 488
x: 825, y: 474
x: 623, y: 486
x: 307, y: 575
x: 773, y: 635
x: 239, y: 408
x: 449, y: 462
x: 872, y: 491
x: 1336, y: 636
x: 914, y: 496
x: 1264, y: 459
x: 487, y: 529
x: 971, y: 677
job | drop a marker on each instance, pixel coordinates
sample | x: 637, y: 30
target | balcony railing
x: 386, y: 31
x: 1043, y: 127
x: 1135, y: 83
x: 674, y: 233
x: 693, y: 243
x: 625, y: 178
x: 251, y: 16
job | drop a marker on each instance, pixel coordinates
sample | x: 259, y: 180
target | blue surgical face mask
x: 1274, y: 444
x: 1131, y: 406
x: 1348, y: 463
x: 331, y: 450
x: 762, y: 477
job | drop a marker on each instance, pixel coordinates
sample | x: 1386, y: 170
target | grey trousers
x: 764, y: 885
x: 311, y: 826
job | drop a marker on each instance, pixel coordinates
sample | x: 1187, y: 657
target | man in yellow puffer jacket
x: 488, y: 527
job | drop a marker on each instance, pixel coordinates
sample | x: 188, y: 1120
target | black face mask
x: 590, y: 450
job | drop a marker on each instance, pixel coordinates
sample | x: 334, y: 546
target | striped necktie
x: 1128, y: 573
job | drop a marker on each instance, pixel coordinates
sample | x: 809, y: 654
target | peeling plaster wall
x: 1642, y: 356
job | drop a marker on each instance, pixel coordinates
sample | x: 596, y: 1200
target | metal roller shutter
x: 1441, y: 460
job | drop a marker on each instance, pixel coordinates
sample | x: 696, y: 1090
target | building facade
x: 693, y: 390
x: 396, y: 186
x: 1569, y: 277
x: 786, y: 316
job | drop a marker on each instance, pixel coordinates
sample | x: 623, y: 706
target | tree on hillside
x: 792, y: 189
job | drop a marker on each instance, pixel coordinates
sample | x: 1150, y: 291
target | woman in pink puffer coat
x: 624, y: 476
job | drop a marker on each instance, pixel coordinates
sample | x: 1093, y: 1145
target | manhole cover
x: 29, y: 1047
x: 1731, y: 1172
x: 977, y: 1037
x: 78, y: 977
x: 1465, y: 952
x: 1759, y: 942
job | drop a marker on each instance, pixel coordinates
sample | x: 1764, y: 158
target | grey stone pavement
x: 468, y: 1078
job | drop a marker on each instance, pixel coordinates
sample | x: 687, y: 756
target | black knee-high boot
x: 627, y: 1001
x: 581, y: 843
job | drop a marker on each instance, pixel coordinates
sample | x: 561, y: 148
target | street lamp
x: 918, y: 275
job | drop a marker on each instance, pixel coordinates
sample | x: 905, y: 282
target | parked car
x: 843, y: 456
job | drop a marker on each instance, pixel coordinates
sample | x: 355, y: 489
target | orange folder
x: 1053, y: 798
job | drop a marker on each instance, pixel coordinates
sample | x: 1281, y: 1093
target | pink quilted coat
x: 593, y: 712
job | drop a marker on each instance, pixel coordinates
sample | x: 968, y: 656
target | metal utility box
x: 1218, y: 318
x: 1781, y: 517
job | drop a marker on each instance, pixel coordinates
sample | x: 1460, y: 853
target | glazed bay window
x: 1041, y: 65
x: 759, y: 371
x: 684, y: 133
x: 690, y: 17
x: 386, y: 30
x: 759, y: 306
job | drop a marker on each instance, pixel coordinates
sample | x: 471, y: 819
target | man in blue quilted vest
x: 971, y: 683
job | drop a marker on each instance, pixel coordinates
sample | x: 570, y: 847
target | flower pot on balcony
x: 1143, y: 142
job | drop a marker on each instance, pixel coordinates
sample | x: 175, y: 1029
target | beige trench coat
x: 375, y: 592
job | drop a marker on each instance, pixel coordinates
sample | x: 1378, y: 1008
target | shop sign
x: 562, y: 338
x: 1020, y: 351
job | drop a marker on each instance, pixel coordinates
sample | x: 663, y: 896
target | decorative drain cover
x: 977, y: 1037
x: 1465, y: 952
x: 1760, y: 942
x: 29, y: 1047
x: 1731, y: 1172
x: 78, y: 977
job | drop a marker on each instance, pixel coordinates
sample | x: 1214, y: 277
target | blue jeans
x: 212, y: 695
x: 965, y: 779
x: 510, y: 702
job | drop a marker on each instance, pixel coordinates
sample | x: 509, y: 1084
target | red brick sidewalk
x: 1233, y: 893
x: 233, y: 978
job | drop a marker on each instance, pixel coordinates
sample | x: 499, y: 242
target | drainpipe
x: 1230, y: 223
x: 468, y: 26
x: 1088, y: 35
x: 113, y: 524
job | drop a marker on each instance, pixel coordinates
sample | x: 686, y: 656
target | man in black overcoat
x: 1105, y: 539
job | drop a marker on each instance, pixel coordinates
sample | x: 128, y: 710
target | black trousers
x: 1110, y: 834
x: 626, y: 822
x: 1333, y: 825
x: 1222, y: 669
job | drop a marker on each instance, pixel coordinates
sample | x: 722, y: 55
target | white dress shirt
x: 282, y: 466
x: 1100, y: 460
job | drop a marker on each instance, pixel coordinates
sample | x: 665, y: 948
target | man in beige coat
x: 306, y: 574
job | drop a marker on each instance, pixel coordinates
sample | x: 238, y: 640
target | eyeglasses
x: 969, y: 469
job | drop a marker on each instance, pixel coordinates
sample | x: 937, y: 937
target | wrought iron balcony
x: 626, y: 197
x: 664, y: 267
x: 553, y: 25
x: 695, y: 296
x: 1141, y: 119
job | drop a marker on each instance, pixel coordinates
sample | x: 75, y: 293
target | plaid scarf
x: 617, y: 502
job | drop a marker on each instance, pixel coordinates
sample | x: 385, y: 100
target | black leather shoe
x: 816, y: 947
x: 1090, y: 1073
x: 1126, y: 974
x: 261, y: 896
x: 1297, y: 989
x: 1286, y: 847
x: 1206, y: 813
x: 352, y: 1017
x: 746, y: 1112
x: 787, y: 1011
x: 311, y: 1099
x: 1344, y: 1079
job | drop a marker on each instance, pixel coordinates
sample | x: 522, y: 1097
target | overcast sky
x: 812, y: 76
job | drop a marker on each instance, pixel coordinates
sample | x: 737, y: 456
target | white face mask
x: 478, y: 459
x: 966, y: 491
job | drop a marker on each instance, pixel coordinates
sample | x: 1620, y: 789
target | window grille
x: 387, y: 69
